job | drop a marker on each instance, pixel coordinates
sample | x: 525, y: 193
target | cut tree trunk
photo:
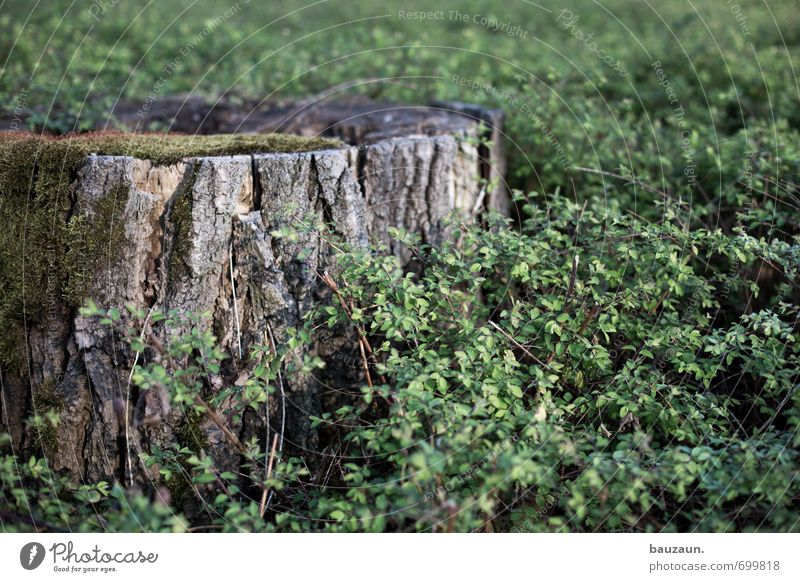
x: 197, y: 237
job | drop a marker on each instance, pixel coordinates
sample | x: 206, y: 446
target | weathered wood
x: 197, y: 237
x: 354, y: 120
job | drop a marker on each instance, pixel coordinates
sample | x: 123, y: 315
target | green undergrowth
x: 49, y: 245
x: 583, y: 372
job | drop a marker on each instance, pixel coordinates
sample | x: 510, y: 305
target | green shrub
x: 582, y: 373
x: 623, y: 357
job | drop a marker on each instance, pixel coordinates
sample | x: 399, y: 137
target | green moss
x: 49, y: 246
x: 181, y: 219
x: 162, y: 149
x: 35, y: 204
x: 47, y: 396
x: 190, y: 432
x: 48, y: 402
x: 93, y: 238
x: 46, y: 436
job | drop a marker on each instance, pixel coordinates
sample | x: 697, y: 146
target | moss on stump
x: 47, y: 249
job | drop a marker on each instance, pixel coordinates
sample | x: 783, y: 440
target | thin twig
x: 572, y: 278
x: 266, y: 406
x: 363, y: 332
x: 630, y: 180
x: 660, y: 301
x: 235, y: 307
x: 280, y: 386
x: 128, y: 399
x: 364, y: 346
x: 263, y: 507
x: 220, y: 422
x: 516, y: 343
x: 479, y: 202
x: 589, y: 317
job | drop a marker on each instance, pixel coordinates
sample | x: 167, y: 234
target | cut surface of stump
x: 354, y: 120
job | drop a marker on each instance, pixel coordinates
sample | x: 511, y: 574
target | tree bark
x: 197, y: 237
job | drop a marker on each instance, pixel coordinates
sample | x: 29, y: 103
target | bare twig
x: 263, y: 507
x: 363, y: 333
x: 630, y: 180
x: 128, y: 401
x: 365, y: 348
x: 235, y: 307
x: 516, y: 343
x: 660, y: 301
x: 589, y: 317
x: 220, y: 422
x: 479, y: 202
x: 280, y: 386
x: 572, y: 278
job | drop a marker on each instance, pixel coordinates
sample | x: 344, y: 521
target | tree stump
x: 196, y: 236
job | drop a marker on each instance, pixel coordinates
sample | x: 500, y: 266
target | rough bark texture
x: 196, y: 237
